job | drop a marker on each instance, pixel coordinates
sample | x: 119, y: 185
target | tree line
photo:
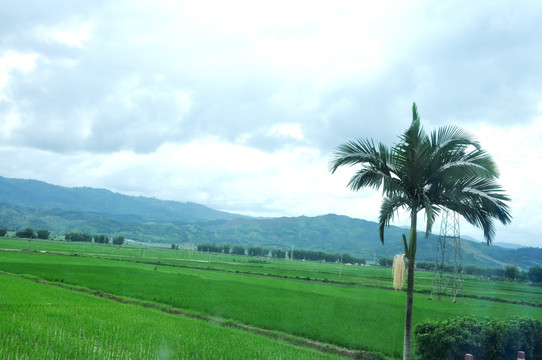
x: 29, y: 233
x: 98, y: 238
x: 298, y: 254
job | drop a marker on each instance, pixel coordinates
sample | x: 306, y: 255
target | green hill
x: 43, y: 196
x: 35, y: 204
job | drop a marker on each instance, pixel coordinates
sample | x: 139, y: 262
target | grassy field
x: 349, y: 306
x: 43, y: 322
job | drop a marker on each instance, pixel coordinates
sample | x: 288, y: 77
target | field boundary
x: 275, y: 335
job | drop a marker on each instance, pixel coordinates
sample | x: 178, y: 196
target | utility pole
x: 449, y: 234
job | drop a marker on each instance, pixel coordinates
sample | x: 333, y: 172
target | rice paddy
x: 351, y: 307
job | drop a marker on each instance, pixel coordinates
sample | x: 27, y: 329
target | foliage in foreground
x: 489, y: 339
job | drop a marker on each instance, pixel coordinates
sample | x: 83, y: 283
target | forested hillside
x: 30, y: 203
x: 73, y: 202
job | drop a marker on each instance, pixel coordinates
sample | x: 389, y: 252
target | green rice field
x: 138, y: 301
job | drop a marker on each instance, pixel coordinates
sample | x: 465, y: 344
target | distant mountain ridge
x: 36, y: 204
x: 38, y: 194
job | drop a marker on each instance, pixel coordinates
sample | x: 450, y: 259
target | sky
x: 239, y: 105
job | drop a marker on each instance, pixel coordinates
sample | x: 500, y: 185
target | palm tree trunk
x: 407, y: 350
x: 407, y: 344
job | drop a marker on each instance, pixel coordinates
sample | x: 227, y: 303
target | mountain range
x: 36, y: 204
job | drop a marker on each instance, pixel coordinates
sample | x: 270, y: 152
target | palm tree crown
x: 446, y: 169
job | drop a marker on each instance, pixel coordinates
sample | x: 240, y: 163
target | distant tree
x: 119, y: 240
x: 27, y: 233
x: 3, y: 232
x: 425, y: 265
x: 43, y: 234
x: 470, y: 269
x: 278, y: 253
x: 174, y: 246
x: 332, y: 258
x: 388, y: 262
x: 511, y: 273
x: 78, y: 237
x: 226, y: 249
x: 101, y: 239
x: 215, y: 248
x: 238, y: 250
x: 523, y: 276
x: 254, y: 251
x: 535, y: 274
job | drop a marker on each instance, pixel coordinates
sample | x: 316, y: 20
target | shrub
x: 484, y: 339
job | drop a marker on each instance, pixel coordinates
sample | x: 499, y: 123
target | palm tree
x: 444, y: 170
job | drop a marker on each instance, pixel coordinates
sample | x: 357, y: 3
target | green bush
x: 484, y: 339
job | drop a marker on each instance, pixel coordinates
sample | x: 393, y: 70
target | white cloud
x: 13, y: 60
x: 516, y: 150
x: 72, y: 33
x: 238, y: 104
x: 9, y: 124
x: 289, y: 130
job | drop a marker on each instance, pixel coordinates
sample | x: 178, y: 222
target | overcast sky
x: 238, y: 105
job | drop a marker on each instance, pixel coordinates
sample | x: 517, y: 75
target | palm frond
x: 388, y: 209
x: 450, y: 137
x: 477, y: 163
x: 353, y: 153
x: 476, y: 216
x: 431, y: 212
x: 366, y: 177
x: 479, y: 200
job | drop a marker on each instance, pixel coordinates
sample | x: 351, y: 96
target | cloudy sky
x: 238, y: 104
